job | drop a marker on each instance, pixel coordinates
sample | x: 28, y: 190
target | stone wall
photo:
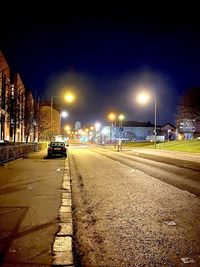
x: 13, y: 151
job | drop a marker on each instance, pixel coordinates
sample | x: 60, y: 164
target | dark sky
x: 107, y: 57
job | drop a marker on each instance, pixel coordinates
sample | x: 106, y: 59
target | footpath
x: 186, y: 156
x: 35, y: 212
x: 178, y: 158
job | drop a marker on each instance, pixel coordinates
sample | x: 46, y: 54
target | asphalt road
x: 134, y: 211
x: 30, y: 197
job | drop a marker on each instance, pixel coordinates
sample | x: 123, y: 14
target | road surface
x: 134, y: 211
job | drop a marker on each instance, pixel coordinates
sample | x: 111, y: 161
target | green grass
x: 137, y: 144
x: 185, y: 145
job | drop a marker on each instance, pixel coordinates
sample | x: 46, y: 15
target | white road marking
x: 187, y: 260
x: 134, y: 170
x: 170, y: 223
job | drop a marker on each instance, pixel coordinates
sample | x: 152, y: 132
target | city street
x: 130, y: 208
x: 30, y: 197
x: 134, y: 211
x: 116, y: 93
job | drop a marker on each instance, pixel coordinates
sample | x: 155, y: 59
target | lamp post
x: 97, y: 129
x: 52, y: 114
x: 63, y: 114
x: 142, y: 99
x: 168, y: 131
x: 69, y: 97
x: 111, y: 117
x: 155, y: 123
x: 121, y: 117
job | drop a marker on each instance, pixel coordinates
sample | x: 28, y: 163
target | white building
x: 77, y: 125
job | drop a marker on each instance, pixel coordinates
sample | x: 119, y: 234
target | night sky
x: 107, y: 57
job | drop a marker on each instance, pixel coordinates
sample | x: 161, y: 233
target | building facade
x: 169, y: 131
x: 130, y: 131
x: 45, y: 122
x: 4, y: 92
x: 186, y: 128
x: 16, y: 107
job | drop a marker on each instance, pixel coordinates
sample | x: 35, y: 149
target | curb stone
x: 62, y: 247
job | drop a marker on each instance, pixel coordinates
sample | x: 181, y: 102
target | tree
x: 189, y: 107
x: 44, y: 122
x: 29, y: 115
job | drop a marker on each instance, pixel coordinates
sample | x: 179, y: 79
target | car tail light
x: 63, y: 148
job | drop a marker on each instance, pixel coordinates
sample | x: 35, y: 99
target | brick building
x: 45, y: 122
x: 18, y: 109
x: 4, y: 91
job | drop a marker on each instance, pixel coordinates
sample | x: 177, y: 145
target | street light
x: 63, y: 114
x: 121, y: 118
x: 69, y: 97
x: 112, y: 118
x: 97, y: 126
x: 67, y: 127
x: 143, y: 98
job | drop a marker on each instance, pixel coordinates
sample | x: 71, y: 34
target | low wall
x: 13, y: 151
x: 42, y: 146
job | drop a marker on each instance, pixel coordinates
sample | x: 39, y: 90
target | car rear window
x: 57, y: 144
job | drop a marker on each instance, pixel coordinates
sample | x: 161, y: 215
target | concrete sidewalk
x: 171, y: 154
x: 34, y: 206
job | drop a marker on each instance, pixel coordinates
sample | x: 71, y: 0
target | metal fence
x: 13, y: 151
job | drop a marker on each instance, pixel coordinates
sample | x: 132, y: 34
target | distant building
x: 186, y: 128
x: 130, y: 131
x: 169, y: 131
x: 77, y: 125
x: 4, y: 92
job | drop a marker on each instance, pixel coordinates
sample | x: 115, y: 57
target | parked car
x: 57, y: 148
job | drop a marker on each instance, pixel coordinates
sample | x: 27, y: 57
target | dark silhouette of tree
x: 189, y: 107
x: 29, y: 115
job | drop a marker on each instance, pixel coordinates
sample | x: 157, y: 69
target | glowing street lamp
x: 112, y: 117
x: 67, y: 128
x: 143, y: 98
x: 69, y: 97
x: 97, y: 126
x: 80, y: 131
x: 121, y: 118
x: 64, y: 114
